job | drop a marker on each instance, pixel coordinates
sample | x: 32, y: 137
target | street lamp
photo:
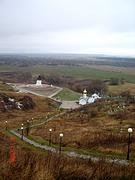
x: 130, y: 130
x: 50, y: 136
x: 32, y: 120
x: 22, y: 132
x: 61, y: 136
x: 27, y: 127
x: 6, y: 125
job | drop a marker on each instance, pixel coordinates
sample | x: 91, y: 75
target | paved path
x: 30, y: 88
x: 59, y: 90
x: 47, y: 148
x: 67, y: 153
x: 47, y: 120
x: 69, y: 105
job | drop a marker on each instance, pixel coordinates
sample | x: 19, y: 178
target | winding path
x: 67, y: 153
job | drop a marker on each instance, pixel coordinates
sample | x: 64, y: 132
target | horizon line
x: 67, y: 53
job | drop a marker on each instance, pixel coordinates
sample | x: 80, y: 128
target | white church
x: 39, y: 81
x: 84, y: 99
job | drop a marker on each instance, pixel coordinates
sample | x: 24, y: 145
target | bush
x: 27, y: 102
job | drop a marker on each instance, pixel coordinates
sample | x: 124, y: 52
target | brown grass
x: 83, y: 129
x: 121, y: 88
x: 38, y: 166
x: 43, y: 107
x: 89, y: 127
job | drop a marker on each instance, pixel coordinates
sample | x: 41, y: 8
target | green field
x: 79, y: 72
x: 68, y: 95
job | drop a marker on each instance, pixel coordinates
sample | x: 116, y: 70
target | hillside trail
x: 67, y: 153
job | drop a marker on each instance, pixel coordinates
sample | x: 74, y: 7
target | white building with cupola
x: 39, y: 81
x: 84, y: 99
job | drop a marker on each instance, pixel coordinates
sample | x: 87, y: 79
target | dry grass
x: 89, y: 127
x: 5, y: 87
x: 43, y: 107
x: 38, y: 166
x: 92, y: 128
x: 121, y: 88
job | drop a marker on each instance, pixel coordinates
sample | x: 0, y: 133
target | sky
x: 68, y: 26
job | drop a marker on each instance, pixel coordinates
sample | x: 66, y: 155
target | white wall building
x: 39, y: 81
x: 84, y: 99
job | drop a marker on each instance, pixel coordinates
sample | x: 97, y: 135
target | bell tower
x: 84, y: 93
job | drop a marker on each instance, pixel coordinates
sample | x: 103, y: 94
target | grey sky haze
x: 67, y: 26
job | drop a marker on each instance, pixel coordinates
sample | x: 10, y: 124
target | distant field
x: 128, y: 70
x: 120, y: 88
x: 80, y: 72
x: 4, y: 68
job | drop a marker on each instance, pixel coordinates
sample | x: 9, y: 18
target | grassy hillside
x: 15, y: 118
x: 117, y: 89
x: 100, y: 128
x: 68, y: 95
x: 5, y: 87
x: 36, y: 165
x: 89, y: 130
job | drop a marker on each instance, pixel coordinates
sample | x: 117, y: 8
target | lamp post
x: 22, y: 132
x: 27, y: 127
x: 130, y: 130
x: 50, y: 136
x: 6, y: 125
x: 61, y: 136
x: 32, y: 120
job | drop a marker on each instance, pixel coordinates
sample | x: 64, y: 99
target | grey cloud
x: 22, y: 21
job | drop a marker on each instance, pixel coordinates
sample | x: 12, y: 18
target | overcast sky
x: 68, y: 26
